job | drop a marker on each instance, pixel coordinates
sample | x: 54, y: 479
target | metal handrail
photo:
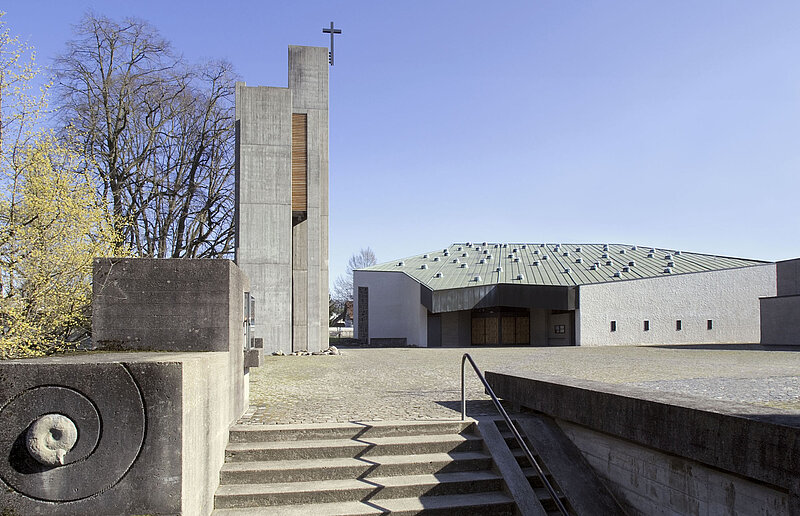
x: 516, y: 433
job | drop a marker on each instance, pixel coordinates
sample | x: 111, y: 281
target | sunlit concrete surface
x: 402, y: 383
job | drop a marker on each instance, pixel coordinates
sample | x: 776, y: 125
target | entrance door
x: 501, y: 326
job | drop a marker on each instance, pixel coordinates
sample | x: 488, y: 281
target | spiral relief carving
x: 73, y: 438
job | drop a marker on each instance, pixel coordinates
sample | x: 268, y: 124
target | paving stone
x: 424, y: 384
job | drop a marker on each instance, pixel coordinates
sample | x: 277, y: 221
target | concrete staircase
x: 531, y: 475
x: 353, y: 469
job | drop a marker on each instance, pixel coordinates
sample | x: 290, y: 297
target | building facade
x: 490, y: 294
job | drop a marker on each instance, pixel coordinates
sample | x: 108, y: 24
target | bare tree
x: 343, y: 285
x: 159, y: 132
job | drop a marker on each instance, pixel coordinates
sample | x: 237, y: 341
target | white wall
x: 728, y: 297
x: 395, y: 310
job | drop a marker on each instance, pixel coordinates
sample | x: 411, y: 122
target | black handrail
x: 516, y: 433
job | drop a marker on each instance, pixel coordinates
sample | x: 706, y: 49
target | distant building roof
x: 472, y: 264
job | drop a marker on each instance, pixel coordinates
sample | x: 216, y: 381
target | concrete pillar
x: 263, y: 207
x: 308, y: 82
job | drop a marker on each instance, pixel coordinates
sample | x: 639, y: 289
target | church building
x: 547, y: 294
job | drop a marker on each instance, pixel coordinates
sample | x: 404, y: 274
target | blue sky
x: 672, y: 124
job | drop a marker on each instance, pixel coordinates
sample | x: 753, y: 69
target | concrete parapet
x: 152, y: 430
x: 147, y: 304
x: 151, y: 426
x: 756, y: 449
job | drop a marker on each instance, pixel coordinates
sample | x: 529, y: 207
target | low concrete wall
x: 651, y: 482
x: 780, y: 321
x: 155, y: 424
x: 695, y: 440
x: 152, y: 427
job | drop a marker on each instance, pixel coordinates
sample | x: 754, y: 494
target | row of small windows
x: 678, y: 325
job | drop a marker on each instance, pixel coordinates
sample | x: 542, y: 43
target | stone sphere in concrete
x: 50, y: 438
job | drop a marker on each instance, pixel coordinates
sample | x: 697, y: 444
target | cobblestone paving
x: 409, y: 384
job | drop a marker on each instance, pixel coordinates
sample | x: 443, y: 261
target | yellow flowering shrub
x: 52, y: 220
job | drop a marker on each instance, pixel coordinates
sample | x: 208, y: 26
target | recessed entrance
x: 501, y: 326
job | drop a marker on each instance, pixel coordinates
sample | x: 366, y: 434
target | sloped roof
x: 459, y: 265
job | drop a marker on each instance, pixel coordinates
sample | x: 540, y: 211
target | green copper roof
x: 472, y: 264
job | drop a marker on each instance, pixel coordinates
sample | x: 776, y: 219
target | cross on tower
x: 331, y: 31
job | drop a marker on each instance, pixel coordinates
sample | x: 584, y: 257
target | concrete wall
x: 728, y: 297
x: 395, y: 311
x: 780, y: 321
x: 159, y: 420
x: 152, y: 426
x: 146, y: 304
x: 539, y: 327
x: 287, y: 265
x: 657, y: 449
x: 780, y: 316
x: 649, y: 482
x: 264, y: 207
x: 788, y: 272
x: 308, y: 82
x: 457, y: 328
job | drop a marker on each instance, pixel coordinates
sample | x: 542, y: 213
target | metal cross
x: 331, y: 31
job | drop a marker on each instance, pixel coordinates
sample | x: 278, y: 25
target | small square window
x: 560, y: 328
x: 710, y: 324
x: 678, y: 325
x: 647, y: 326
x: 613, y: 325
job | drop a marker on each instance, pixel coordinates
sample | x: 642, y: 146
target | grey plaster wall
x: 780, y: 321
x: 264, y: 207
x: 395, y: 311
x: 730, y: 298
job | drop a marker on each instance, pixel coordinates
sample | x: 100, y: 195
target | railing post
x: 463, y: 390
x: 553, y: 494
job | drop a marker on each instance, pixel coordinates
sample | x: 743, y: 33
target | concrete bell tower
x: 282, y: 202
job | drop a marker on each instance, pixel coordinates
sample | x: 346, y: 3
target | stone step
x: 374, y: 488
x: 349, y: 467
x: 353, y: 430
x: 489, y: 504
x: 535, y: 479
x: 339, y: 448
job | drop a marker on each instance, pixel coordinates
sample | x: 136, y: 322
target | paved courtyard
x: 402, y: 383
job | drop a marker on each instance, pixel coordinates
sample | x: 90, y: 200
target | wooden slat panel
x: 523, y: 330
x: 492, y: 330
x: 508, y: 330
x: 299, y: 162
x: 478, y: 331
